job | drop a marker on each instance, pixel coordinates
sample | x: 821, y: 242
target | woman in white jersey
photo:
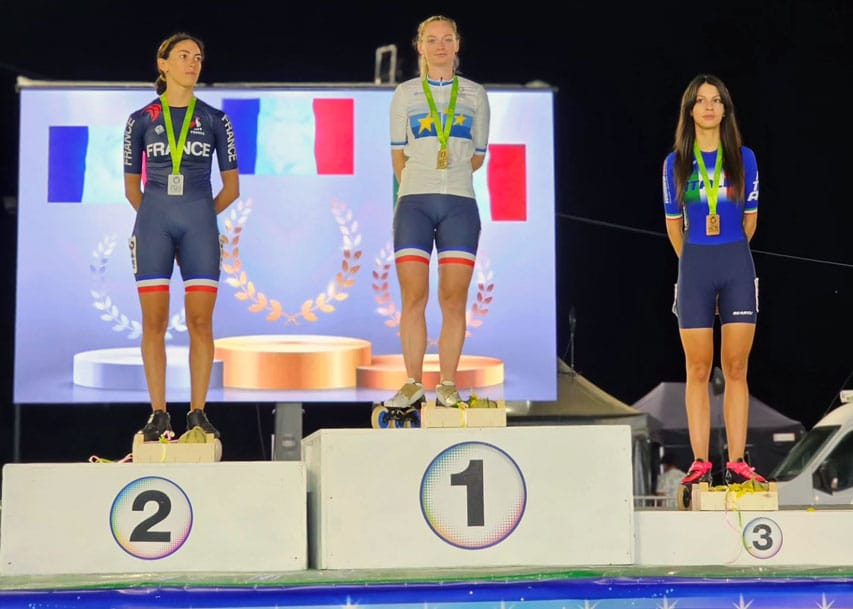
x: 439, y: 134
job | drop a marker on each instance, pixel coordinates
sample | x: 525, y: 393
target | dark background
x: 619, y: 72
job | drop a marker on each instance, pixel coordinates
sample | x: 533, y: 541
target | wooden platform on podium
x: 465, y: 497
x: 69, y: 518
x: 705, y: 498
x: 440, y: 416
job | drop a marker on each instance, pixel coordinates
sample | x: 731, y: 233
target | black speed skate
x: 159, y: 425
x: 198, y: 418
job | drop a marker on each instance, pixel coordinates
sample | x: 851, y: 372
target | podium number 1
x: 473, y: 495
x: 472, y: 479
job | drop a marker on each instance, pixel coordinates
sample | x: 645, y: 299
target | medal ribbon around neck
x: 712, y: 191
x: 176, y: 149
x: 442, y: 131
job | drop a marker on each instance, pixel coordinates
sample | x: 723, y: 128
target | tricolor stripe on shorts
x: 156, y: 284
x: 456, y: 257
x: 411, y: 254
x: 201, y: 284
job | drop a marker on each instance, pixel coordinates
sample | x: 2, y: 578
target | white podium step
x: 774, y: 538
x: 68, y: 518
x: 467, y: 497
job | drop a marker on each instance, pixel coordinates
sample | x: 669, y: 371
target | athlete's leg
x: 199, y: 312
x: 414, y: 228
x: 737, y: 341
x: 457, y: 237
x: 698, y: 346
x: 155, y: 320
x: 414, y: 292
x: 200, y: 250
x: 453, y: 282
x: 152, y: 256
x: 738, y: 315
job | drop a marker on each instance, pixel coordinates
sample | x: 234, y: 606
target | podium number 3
x: 762, y: 537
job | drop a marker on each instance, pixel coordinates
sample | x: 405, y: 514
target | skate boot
x: 159, y: 425
x: 447, y: 395
x: 197, y: 418
x: 699, y: 472
x: 401, y: 410
x: 739, y: 472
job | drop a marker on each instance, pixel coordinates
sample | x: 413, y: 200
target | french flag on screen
x: 303, y: 136
x: 84, y: 164
x: 501, y: 186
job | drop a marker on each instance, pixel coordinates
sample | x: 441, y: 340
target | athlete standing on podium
x: 439, y: 134
x: 173, y: 140
x: 710, y: 190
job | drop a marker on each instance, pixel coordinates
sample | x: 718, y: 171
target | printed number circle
x: 762, y: 537
x: 473, y: 495
x: 151, y: 518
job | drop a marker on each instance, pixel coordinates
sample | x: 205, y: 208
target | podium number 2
x: 151, y: 517
x: 142, y: 531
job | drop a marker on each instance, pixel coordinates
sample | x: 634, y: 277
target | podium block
x: 736, y: 538
x: 467, y: 497
x: 66, y: 518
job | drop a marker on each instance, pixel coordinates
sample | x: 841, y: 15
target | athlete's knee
x: 698, y: 369
x: 414, y: 297
x: 200, y: 325
x: 735, y: 367
x: 155, y: 325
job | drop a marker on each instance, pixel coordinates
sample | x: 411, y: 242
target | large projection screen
x: 308, y: 257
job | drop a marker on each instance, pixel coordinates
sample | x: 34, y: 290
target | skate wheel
x: 684, y: 496
x: 412, y: 418
x: 380, y: 418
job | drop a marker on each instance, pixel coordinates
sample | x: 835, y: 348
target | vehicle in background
x: 819, y: 469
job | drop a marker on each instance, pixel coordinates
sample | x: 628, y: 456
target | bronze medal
x: 712, y: 225
x: 443, y: 159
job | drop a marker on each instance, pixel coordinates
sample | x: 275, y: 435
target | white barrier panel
x: 459, y: 497
x: 143, y: 517
x: 784, y: 537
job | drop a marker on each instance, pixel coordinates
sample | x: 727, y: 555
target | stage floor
x: 616, y: 587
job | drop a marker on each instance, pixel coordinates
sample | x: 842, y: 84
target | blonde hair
x: 423, y: 67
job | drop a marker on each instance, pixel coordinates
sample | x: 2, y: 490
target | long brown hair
x: 685, y: 135
x: 165, y: 50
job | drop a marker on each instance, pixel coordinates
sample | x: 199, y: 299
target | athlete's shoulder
x: 747, y: 153
x: 409, y: 85
x: 202, y: 106
x: 467, y: 82
x: 150, y: 111
x: 669, y: 160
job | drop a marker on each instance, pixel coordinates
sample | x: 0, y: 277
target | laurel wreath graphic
x: 336, y: 289
x: 388, y: 308
x: 103, y: 302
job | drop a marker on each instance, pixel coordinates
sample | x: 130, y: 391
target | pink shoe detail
x: 742, y: 469
x: 700, y: 471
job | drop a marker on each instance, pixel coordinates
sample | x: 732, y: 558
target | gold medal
x: 443, y: 159
x: 712, y: 225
